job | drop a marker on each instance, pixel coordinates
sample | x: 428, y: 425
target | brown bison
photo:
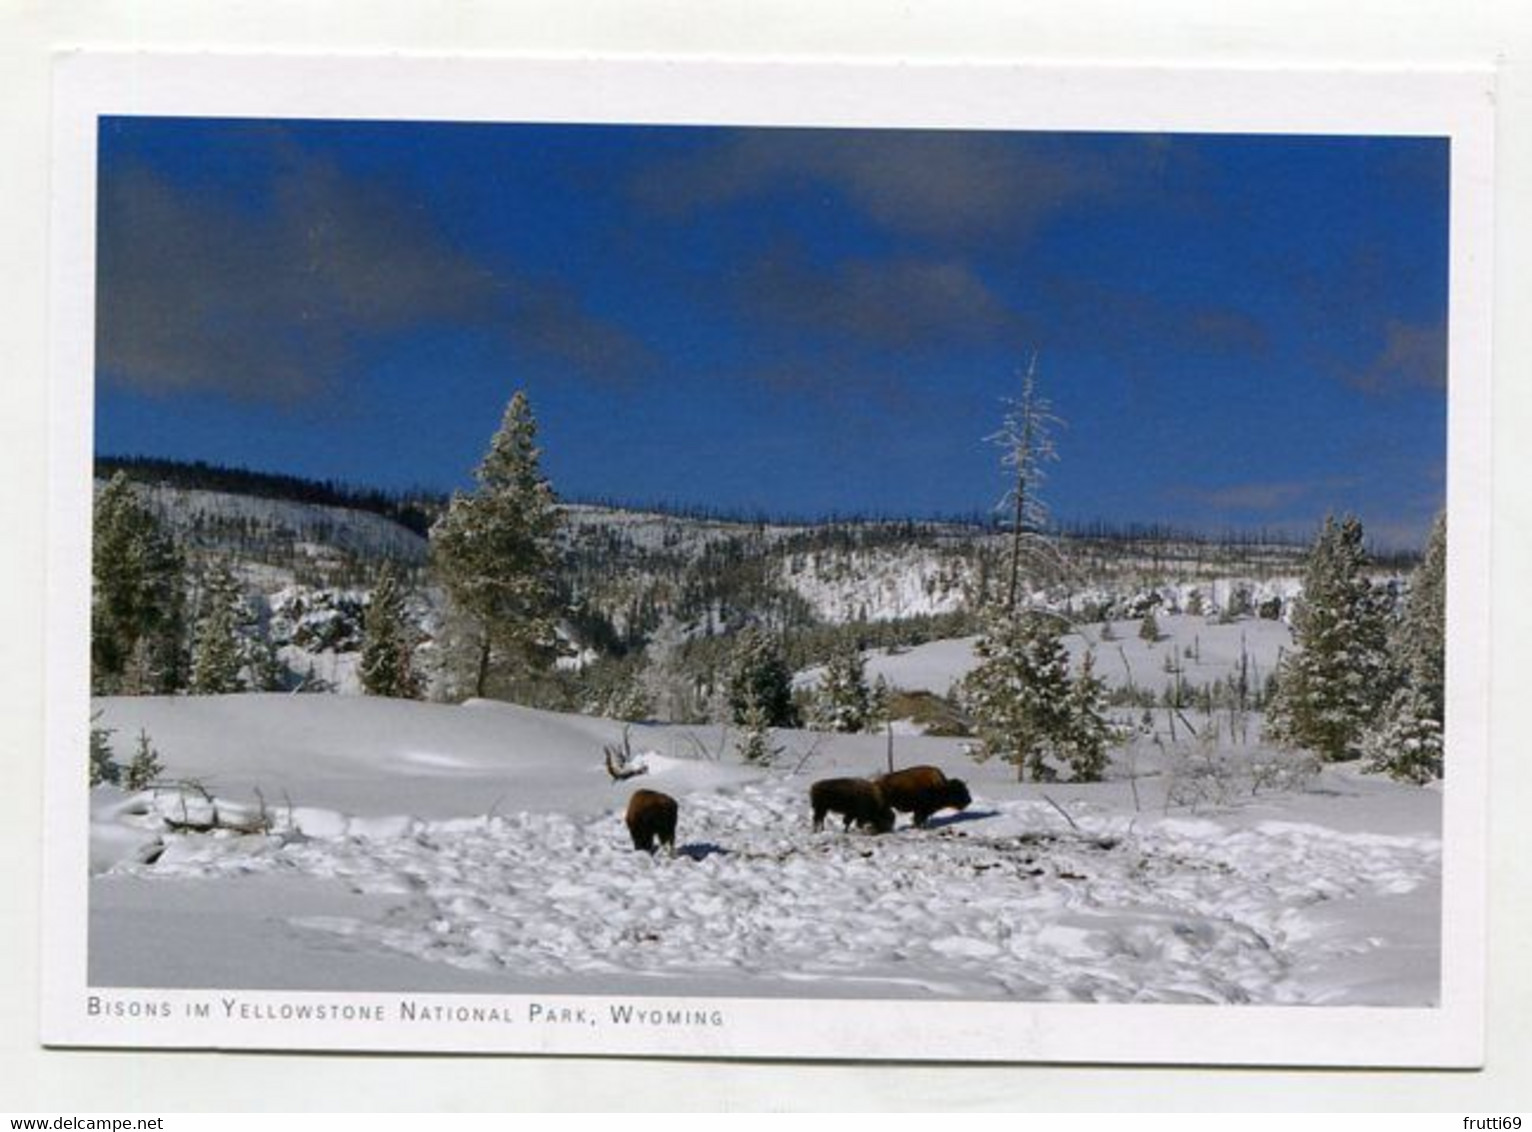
x: 652, y: 820
x: 922, y: 790
x: 857, y: 799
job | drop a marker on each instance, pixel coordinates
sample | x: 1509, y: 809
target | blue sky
x: 1237, y: 330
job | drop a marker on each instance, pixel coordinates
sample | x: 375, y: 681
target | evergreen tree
x: 755, y: 745
x: 1019, y: 693
x: 1420, y: 644
x: 1407, y: 741
x: 843, y: 701
x: 1149, y: 628
x: 267, y: 671
x: 1333, y: 686
x: 137, y: 597
x: 495, y: 554
x: 217, y: 651
x: 627, y: 700
x: 759, y: 683
x: 388, y: 644
x: 103, y: 768
x: 879, y: 703
x: 146, y: 765
x: 1088, y: 733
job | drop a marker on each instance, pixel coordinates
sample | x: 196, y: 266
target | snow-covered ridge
x: 879, y: 584
x: 217, y: 517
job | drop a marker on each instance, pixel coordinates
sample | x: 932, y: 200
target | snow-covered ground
x: 481, y: 847
x: 1194, y: 649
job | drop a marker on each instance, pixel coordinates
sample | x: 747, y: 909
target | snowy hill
x: 259, y: 528
x: 665, y: 592
x: 1193, y: 650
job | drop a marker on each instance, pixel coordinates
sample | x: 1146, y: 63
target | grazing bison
x: 922, y: 790
x: 857, y: 799
x: 652, y: 820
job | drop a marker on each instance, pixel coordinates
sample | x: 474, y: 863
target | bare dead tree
x: 1025, y: 439
x: 703, y: 751
x: 813, y: 750
x: 620, y: 763
x: 1074, y: 825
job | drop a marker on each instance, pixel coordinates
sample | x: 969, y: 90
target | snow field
x: 1121, y: 658
x: 1004, y: 901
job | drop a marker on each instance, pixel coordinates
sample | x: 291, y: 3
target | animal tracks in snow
x: 1011, y: 906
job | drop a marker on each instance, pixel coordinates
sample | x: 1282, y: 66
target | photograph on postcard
x: 756, y: 562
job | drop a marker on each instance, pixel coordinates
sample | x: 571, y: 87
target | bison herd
x: 870, y: 803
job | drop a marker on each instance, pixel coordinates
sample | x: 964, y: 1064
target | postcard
x: 778, y: 561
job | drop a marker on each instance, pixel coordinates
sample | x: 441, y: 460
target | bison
x: 652, y: 820
x: 857, y: 799
x: 922, y: 790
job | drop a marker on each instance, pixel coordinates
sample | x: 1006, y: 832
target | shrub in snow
x: 1331, y: 688
x: 1149, y: 628
x: 1198, y: 773
x: 145, y: 767
x: 1282, y: 770
x: 755, y: 744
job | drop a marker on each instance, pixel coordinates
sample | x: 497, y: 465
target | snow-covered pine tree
x: 1420, y: 643
x: 879, y: 703
x: 217, y: 651
x: 1331, y: 688
x: 138, y: 620
x: 1019, y: 693
x: 388, y: 642
x: 267, y: 671
x: 103, y: 768
x: 628, y: 700
x: 843, y: 700
x: 1407, y: 741
x: 1149, y: 628
x: 145, y: 767
x: 1088, y: 732
x: 759, y: 684
x: 755, y: 745
x: 494, y: 552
